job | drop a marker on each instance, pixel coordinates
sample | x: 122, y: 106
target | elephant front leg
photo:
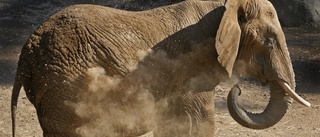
x: 173, y: 121
x: 199, y: 108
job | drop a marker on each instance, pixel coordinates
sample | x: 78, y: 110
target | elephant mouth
x: 285, y: 86
x: 266, y: 80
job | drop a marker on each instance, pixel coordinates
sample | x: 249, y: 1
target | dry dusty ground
x: 298, y: 122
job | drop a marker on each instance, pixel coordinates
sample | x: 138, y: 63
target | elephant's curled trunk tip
x: 277, y: 107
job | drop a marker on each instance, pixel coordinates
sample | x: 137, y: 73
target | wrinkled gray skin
x: 54, y: 61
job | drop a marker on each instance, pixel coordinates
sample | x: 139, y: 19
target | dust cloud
x: 116, y: 107
x: 122, y: 106
x: 126, y: 106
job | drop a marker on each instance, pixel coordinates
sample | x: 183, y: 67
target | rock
x: 296, y: 13
x: 292, y: 13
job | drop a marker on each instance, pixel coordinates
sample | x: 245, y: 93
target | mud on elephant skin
x: 185, y: 49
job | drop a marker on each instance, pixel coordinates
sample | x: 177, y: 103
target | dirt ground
x: 300, y: 121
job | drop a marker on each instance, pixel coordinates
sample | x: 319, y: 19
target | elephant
x: 181, y: 52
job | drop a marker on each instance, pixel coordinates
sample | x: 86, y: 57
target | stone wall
x: 292, y: 13
x: 296, y: 13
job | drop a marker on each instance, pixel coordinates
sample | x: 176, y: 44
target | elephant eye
x: 270, y: 14
x: 270, y: 42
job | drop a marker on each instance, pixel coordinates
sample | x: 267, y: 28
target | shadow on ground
x: 7, y: 72
x: 307, y: 76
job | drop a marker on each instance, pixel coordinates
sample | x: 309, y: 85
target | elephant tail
x: 14, y: 100
x: 20, y: 79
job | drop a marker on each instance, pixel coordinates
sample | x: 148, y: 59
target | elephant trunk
x: 277, y: 107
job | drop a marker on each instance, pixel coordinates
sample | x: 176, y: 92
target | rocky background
x: 292, y: 13
x: 296, y: 13
x: 19, y: 18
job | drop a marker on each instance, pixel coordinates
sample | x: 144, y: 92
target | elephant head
x: 250, y: 37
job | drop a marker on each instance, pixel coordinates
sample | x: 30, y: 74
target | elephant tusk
x: 293, y: 94
x: 149, y: 134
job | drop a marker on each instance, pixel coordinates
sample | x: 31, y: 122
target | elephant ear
x: 228, y: 36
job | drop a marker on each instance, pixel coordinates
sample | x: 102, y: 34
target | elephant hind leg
x: 56, y: 117
x: 58, y: 128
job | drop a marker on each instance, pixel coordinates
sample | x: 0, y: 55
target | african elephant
x: 186, y: 49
